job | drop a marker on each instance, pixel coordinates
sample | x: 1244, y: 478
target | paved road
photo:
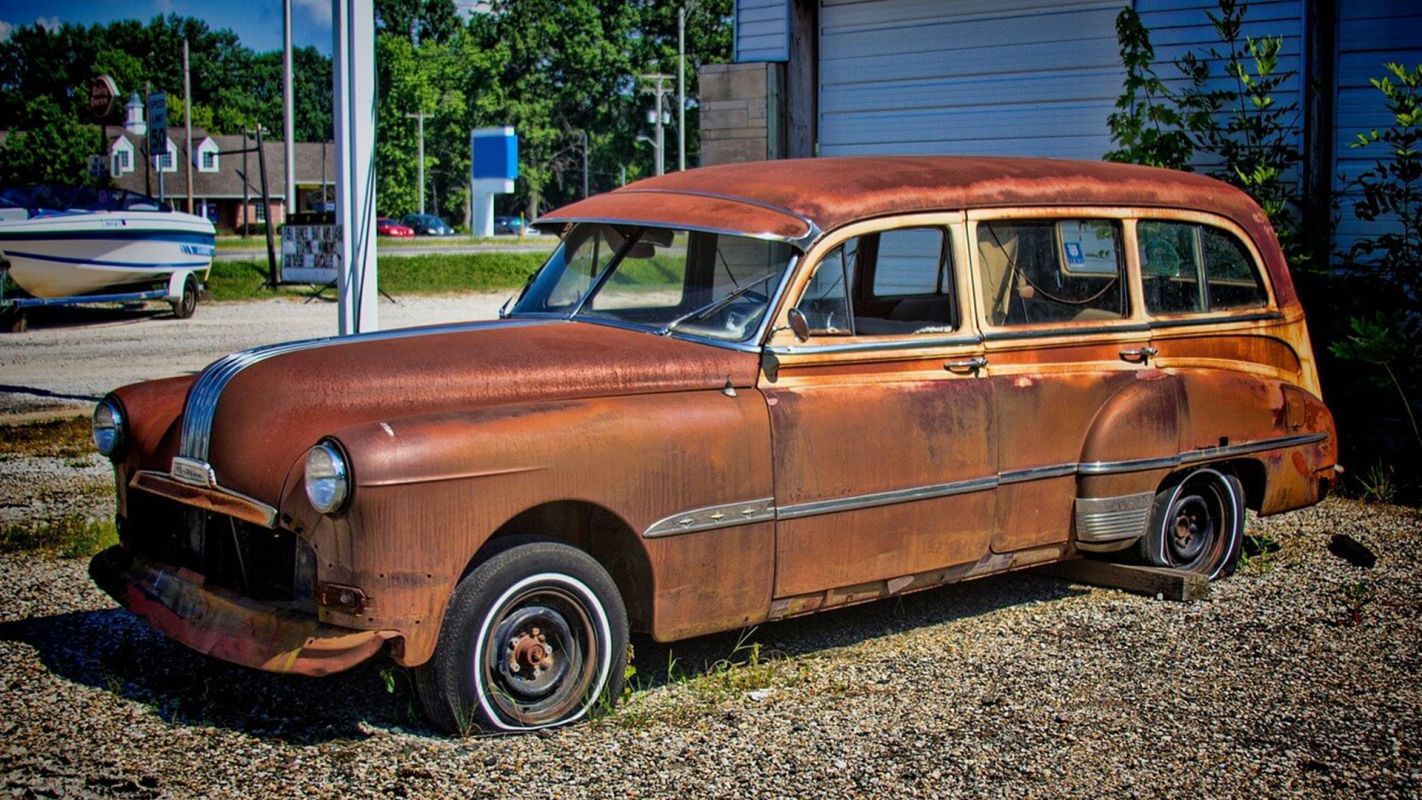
x: 71, y: 357
x: 539, y: 244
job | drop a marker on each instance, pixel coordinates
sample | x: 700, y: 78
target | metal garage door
x: 988, y: 77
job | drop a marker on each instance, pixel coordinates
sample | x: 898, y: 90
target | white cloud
x: 50, y: 24
x: 5, y: 30
x: 318, y: 11
x: 467, y: 7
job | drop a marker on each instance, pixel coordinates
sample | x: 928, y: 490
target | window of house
x: 894, y: 282
x: 209, y: 161
x: 1051, y: 271
x: 1188, y: 268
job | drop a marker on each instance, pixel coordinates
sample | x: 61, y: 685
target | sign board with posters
x: 310, y: 249
x: 103, y: 97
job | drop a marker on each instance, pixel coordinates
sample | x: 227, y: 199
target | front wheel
x: 535, y: 636
x: 1197, y: 524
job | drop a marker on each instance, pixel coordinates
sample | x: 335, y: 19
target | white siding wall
x: 990, y: 77
x: 762, y: 30
x: 1370, y: 34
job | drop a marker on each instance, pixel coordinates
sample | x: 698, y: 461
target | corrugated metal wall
x: 972, y: 76
x: 1370, y: 34
x: 1178, y: 27
x: 762, y: 30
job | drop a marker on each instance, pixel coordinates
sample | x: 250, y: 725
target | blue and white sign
x: 493, y: 167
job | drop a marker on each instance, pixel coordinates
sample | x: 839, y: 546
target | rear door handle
x: 1139, y: 355
x: 966, y: 366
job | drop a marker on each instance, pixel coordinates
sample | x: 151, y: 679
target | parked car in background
x: 427, y: 225
x: 385, y: 226
x: 866, y: 377
x: 504, y: 225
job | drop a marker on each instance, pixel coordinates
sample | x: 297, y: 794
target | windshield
x: 702, y: 284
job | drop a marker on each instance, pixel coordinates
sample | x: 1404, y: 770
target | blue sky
x: 257, y: 22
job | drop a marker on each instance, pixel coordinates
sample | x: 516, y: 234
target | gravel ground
x: 71, y: 357
x: 1011, y: 686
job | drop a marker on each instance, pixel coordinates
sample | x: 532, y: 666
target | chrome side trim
x: 894, y: 496
x: 1216, y: 319
x: 712, y: 517
x: 1199, y: 455
x: 1064, y: 330
x: 863, y: 347
x: 201, y: 404
x: 1111, y: 519
x: 1036, y: 473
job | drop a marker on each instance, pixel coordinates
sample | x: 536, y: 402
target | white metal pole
x: 188, y: 123
x: 288, y: 109
x: 681, y: 88
x: 353, y: 70
x: 661, y: 159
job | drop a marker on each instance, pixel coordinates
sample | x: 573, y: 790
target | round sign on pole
x: 103, y: 95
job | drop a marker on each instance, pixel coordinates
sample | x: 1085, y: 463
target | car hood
x: 272, y: 410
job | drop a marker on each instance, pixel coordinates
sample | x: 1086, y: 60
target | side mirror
x: 798, y: 324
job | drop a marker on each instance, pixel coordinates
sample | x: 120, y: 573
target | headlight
x: 108, y: 427
x: 327, y: 478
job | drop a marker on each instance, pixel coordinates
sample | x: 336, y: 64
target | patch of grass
x: 441, y: 273
x: 73, y: 536
x: 257, y: 241
x: 60, y: 438
x: 1259, y: 553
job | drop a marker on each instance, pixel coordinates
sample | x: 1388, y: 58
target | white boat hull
x: 68, y: 255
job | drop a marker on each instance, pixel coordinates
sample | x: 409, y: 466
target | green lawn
x: 258, y: 241
x: 422, y: 274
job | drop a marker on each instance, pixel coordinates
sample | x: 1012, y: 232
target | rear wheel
x: 535, y: 636
x: 1197, y: 524
x: 184, y: 306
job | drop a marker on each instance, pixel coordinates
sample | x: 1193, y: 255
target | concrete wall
x: 740, y: 118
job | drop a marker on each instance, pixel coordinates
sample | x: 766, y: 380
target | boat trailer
x: 181, y: 292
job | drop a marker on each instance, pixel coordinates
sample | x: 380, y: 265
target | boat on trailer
x: 66, y: 245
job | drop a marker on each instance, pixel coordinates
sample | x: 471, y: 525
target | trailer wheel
x: 187, y: 304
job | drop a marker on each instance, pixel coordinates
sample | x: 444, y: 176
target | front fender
x: 430, y: 490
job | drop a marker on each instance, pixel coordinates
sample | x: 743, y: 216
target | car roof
x: 798, y: 199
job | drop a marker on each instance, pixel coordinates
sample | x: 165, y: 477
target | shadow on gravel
x: 114, y: 651
x: 44, y: 317
x: 899, y: 616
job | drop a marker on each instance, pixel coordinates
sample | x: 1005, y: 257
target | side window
x: 825, y: 302
x: 1170, y: 266
x: 1188, y: 268
x: 1232, y: 280
x: 892, y: 283
x: 1051, y: 271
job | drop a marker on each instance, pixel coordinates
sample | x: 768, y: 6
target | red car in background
x: 385, y: 226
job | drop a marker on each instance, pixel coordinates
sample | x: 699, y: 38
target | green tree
x: 53, y: 149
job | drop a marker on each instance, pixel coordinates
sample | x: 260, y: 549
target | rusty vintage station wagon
x: 733, y: 394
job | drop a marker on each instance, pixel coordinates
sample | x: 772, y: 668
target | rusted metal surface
x: 834, y: 471
x: 222, y: 625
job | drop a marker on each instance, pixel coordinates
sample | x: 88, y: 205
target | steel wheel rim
x: 1194, y: 528
x: 529, y: 697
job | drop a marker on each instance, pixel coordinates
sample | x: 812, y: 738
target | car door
x: 1064, y: 339
x: 881, y: 419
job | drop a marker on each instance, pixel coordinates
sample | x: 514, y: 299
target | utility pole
x: 246, y: 191
x: 287, y: 109
x: 420, y: 118
x: 188, y: 123
x: 681, y: 15
x: 659, y: 89
x: 585, y: 163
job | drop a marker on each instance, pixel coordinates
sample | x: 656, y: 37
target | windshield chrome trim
x: 681, y: 226
x: 745, y: 347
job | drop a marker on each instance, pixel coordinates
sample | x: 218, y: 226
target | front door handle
x: 1139, y: 355
x: 966, y: 366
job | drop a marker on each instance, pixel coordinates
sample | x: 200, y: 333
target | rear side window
x: 1051, y: 271
x: 1189, y: 268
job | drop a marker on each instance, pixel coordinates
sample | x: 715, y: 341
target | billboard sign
x: 157, y: 124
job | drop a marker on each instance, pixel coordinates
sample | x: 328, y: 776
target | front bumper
x: 224, y: 625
